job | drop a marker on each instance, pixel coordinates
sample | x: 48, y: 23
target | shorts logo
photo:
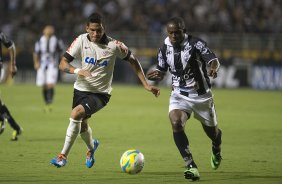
x: 88, y: 106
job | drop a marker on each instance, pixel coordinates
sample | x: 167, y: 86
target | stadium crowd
x: 29, y: 16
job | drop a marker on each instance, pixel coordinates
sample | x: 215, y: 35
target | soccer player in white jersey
x: 187, y: 57
x: 46, y: 57
x: 92, y: 88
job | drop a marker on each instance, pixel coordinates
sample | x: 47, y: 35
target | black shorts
x: 92, y: 102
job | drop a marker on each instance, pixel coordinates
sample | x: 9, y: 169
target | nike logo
x: 88, y: 106
x: 86, y: 47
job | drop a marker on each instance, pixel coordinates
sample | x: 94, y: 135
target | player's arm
x: 36, y: 63
x: 139, y: 71
x: 66, y: 67
x: 159, y: 72
x: 155, y: 75
x: 214, y: 66
x: 12, y: 67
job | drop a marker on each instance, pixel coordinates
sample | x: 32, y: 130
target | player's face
x: 95, y: 31
x: 175, y: 34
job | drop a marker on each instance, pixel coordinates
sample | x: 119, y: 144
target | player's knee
x: 78, y: 112
x: 177, y: 125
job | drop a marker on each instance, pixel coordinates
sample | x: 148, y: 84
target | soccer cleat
x: 192, y: 172
x: 215, y: 160
x: 15, y: 134
x: 90, y: 160
x: 2, y: 125
x: 59, y: 161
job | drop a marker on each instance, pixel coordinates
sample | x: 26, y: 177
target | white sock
x: 72, y: 133
x: 87, y: 138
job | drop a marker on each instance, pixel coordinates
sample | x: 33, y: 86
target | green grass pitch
x: 252, y: 133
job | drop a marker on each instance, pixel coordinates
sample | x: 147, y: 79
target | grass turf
x: 250, y: 121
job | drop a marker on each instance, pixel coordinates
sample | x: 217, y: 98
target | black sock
x: 216, y: 143
x: 6, y: 114
x: 49, y: 95
x: 182, y: 144
x: 44, y: 92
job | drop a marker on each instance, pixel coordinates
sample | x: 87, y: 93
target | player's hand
x: 213, y: 73
x: 13, y: 70
x: 154, y: 90
x: 36, y: 66
x: 85, y: 73
x: 214, y: 66
x: 155, y: 75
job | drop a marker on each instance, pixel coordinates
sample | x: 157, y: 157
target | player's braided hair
x: 178, y: 21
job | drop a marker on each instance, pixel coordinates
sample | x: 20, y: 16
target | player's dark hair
x: 95, y: 18
x: 178, y: 21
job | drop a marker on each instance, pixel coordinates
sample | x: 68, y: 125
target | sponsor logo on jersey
x: 93, y: 61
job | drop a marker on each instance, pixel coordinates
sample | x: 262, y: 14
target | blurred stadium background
x: 246, y: 35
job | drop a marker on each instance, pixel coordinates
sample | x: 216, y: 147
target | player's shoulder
x: 194, y: 40
x: 82, y: 37
x: 115, y: 43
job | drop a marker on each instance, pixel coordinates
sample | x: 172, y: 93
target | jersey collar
x: 184, y: 42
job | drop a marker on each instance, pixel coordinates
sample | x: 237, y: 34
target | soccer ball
x: 132, y: 161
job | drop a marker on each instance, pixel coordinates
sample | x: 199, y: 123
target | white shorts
x: 47, y: 74
x: 203, y: 107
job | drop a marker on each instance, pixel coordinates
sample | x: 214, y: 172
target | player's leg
x: 178, y: 119
x: 41, y: 80
x: 205, y: 113
x: 2, y: 123
x: 92, y: 104
x: 91, y: 144
x: 48, y: 93
x: 73, y: 130
x: 214, y: 133
x: 51, y: 80
x: 5, y: 113
x: 51, y: 76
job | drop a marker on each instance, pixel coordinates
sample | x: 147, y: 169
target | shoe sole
x: 190, y: 175
x: 54, y: 162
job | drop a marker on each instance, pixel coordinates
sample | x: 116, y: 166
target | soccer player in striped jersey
x: 5, y: 115
x: 46, y: 57
x: 97, y: 53
x: 187, y: 58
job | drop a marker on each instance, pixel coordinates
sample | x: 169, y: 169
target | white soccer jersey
x: 99, y: 59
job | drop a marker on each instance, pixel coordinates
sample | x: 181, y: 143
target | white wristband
x: 76, y: 70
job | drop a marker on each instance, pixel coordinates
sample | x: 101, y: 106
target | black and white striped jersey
x: 48, y: 49
x: 187, y: 64
x: 6, y: 42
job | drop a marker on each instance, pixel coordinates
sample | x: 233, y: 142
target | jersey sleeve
x: 36, y: 48
x: 122, y: 50
x: 6, y: 42
x: 162, y: 64
x: 206, y: 53
x: 74, y: 49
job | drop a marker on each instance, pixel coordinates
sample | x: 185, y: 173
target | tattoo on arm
x: 67, y: 69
